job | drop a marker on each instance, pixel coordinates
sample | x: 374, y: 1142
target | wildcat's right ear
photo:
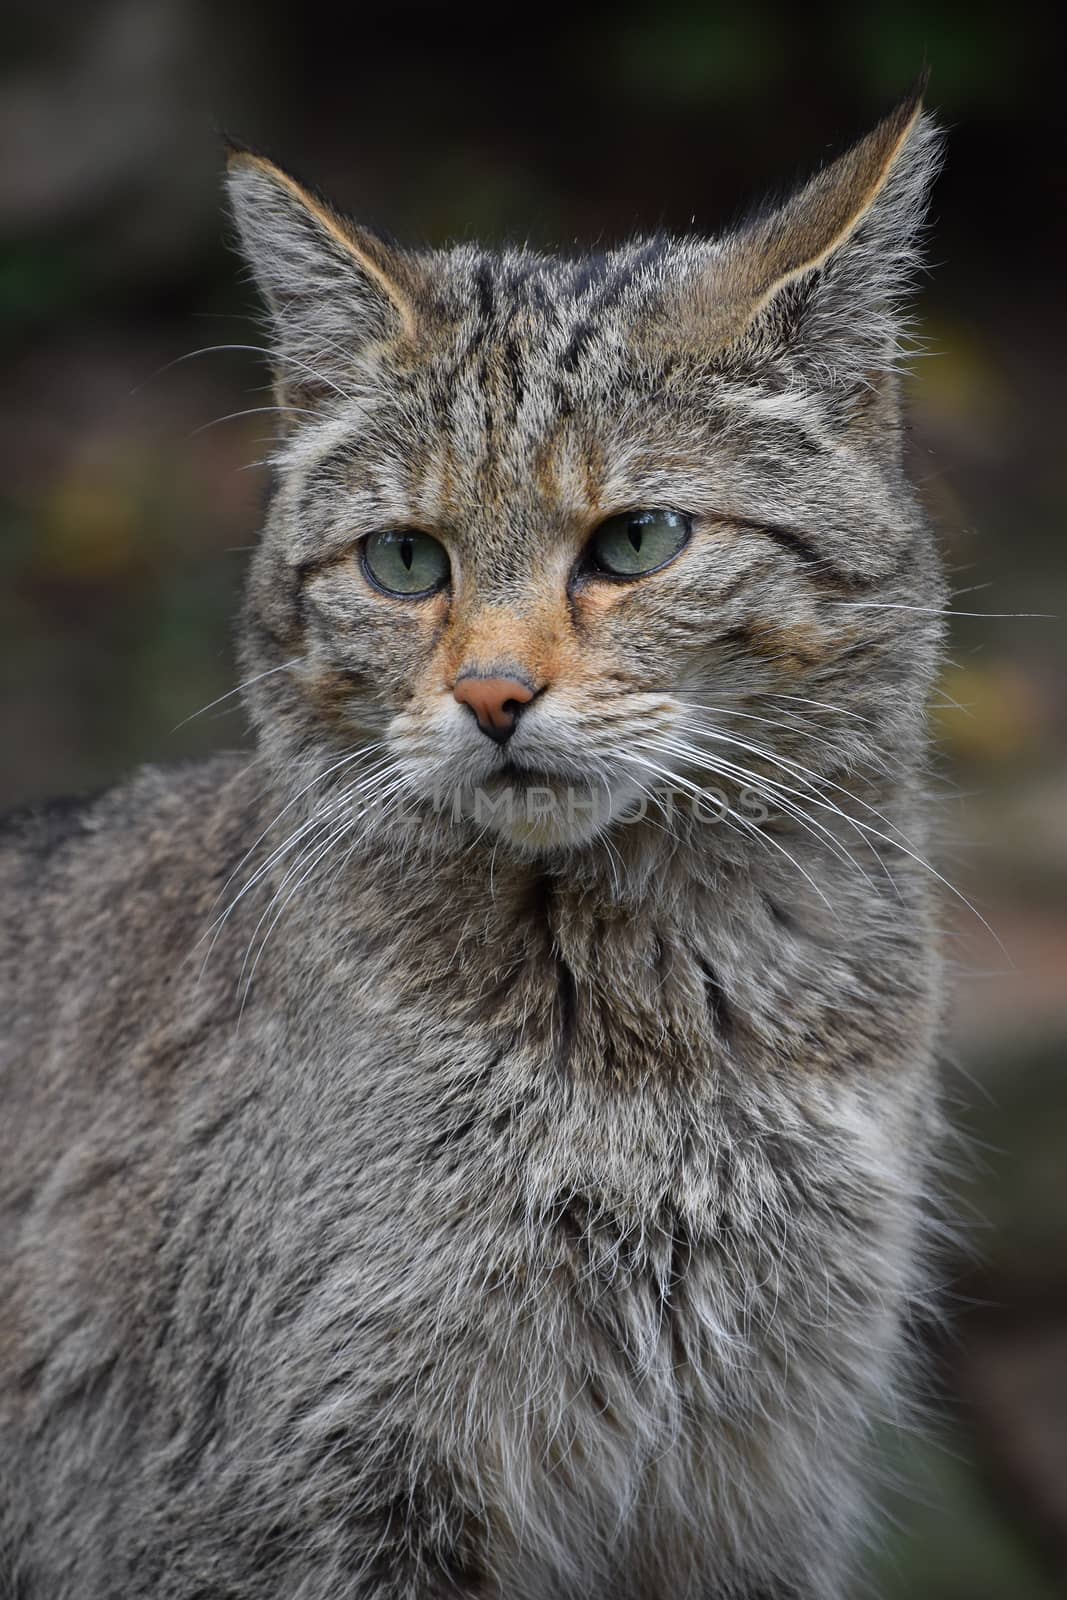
x: 332, y: 289
x: 815, y: 285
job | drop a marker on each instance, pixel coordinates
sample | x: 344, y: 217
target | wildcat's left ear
x: 332, y: 289
x: 817, y: 282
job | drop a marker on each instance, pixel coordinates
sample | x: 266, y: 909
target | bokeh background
x: 127, y: 507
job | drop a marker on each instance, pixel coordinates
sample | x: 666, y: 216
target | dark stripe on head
x: 609, y: 292
x: 483, y: 286
x: 821, y: 568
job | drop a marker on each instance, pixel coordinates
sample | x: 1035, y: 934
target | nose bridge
x: 507, y: 640
x: 505, y: 569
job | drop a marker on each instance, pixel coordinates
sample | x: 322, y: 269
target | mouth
x: 511, y: 771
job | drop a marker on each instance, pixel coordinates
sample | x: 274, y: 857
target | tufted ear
x: 815, y: 285
x: 332, y: 289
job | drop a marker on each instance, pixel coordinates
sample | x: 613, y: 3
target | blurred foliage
x: 125, y: 511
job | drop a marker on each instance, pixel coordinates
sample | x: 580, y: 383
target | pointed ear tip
x: 232, y: 147
x: 241, y: 157
x: 913, y: 103
x: 907, y: 117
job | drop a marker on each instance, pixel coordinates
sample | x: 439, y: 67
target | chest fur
x: 644, y: 1220
x: 669, y: 1355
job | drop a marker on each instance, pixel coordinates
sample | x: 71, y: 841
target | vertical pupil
x: 407, y: 548
x: 635, y: 532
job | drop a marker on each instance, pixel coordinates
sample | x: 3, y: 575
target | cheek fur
x: 362, y: 646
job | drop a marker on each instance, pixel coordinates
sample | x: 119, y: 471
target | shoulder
x: 41, y: 829
x: 162, y: 823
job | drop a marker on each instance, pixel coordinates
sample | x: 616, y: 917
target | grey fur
x: 531, y: 1211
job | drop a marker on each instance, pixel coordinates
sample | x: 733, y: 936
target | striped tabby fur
x: 504, y: 1206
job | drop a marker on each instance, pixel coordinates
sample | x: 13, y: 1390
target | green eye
x: 406, y: 562
x: 637, y: 542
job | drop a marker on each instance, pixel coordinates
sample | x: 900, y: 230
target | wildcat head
x: 550, y: 534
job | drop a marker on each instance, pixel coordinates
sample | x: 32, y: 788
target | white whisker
x: 247, y: 684
x: 769, y: 790
x: 258, y: 349
x: 320, y: 777
x: 936, y: 611
x: 312, y: 825
x: 250, y: 411
x: 865, y: 827
x: 823, y: 705
x: 741, y: 822
x: 314, y: 851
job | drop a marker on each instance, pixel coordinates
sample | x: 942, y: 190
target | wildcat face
x: 738, y: 399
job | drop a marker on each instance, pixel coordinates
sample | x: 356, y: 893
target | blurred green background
x: 127, y: 507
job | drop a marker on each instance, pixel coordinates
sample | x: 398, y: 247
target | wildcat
x: 413, y: 1190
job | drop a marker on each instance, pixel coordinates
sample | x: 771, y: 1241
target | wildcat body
x: 534, y: 1210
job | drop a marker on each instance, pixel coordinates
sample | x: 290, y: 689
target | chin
x: 548, y: 836
x: 540, y: 813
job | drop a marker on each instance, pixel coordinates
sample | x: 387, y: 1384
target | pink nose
x: 496, y: 702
